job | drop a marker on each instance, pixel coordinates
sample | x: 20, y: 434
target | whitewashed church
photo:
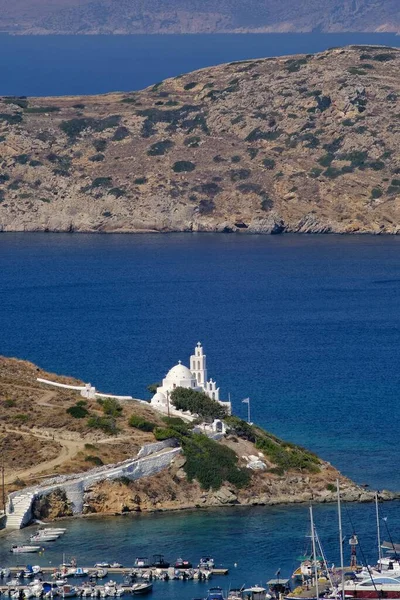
x: 194, y: 378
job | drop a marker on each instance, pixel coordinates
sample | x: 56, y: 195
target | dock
x: 112, y: 570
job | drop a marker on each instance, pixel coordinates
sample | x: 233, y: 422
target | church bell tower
x: 198, y: 365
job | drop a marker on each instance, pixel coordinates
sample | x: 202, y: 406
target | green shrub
x: 106, y: 424
x: 95, y: 460
x: 160, y: 148
x: 192, y: 141
x: 107, y: 213
x: 186, y: 399
x: 21, y: 159
x: 315, y: 172
x: 100, y: 145
x: 384, y: 57
x: 236, y: 158
x: 35, y: 163
x: 356, y: 71
x: 74, y: 127
x: 206, y: 206
x: 395, y: 182
x: 140, y: 423
x: 211, y: 463
x: 326, y: 160
x: 165, y: 433
x: 120, y: 134
x: 42, y: 109
x: 183, y: 166
x: 77, y: 411
x: 4, y: 177
x: 78, y: 106
x: 331, y: 487
x: 376, y: 193
x: 9, y: 403
x: 117, y: 192
x: 11, y: 119
x: 140, y: 180
x: 102, y: 182
x: 266, y: 203
x: 332, y: 172
x: 111, y: 407
x: 21, y: 418
x: 178, y: 424
x: 90, y: 447
x: 239, y: 174
x: 20, y: 101
x: 269, y: 163
x: 190, y: 86
x: 97, y: 157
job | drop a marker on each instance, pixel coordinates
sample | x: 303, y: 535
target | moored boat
x: 141, y: 588
x: 24, y: 549
x: 182, y: 564
x: 215, y: 593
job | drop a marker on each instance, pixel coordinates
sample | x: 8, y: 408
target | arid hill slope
x: 40, y: 437
x: 304, y: 143
x: 192, y: 16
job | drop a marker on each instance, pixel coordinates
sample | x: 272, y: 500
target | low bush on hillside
x: 77, y: 411
x: 111, y: 407
x: 11, y: 119
x: 284, y: 455
x: 211, y: 463
x: 95, y: 460
x: 198, y: 403
x: 183, y: 166
x: 140, y: 423
x: 160, y: 148
x: 74, y: 127
x: 42, y: 109
x: 106, y: 424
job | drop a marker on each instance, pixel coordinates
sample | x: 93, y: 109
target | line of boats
x: 36, y: 541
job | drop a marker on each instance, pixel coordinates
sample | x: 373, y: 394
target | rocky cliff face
x: 189, y: 16
x: 170, y: 490
x: 301, y: 144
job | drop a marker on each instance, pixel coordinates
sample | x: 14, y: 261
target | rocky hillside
x: 304, y: 144
x: 191, y: 16
x: 46, y: 431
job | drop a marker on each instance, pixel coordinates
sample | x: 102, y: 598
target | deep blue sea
x: 64, y: 65
x: 307, y: 326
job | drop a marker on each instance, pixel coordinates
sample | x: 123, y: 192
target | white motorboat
x: 51, y: 530
x: 79, y: 572
x: 67, y: 591
x: 44, y: 538
x: 24, y: 549
x: 141, y: 588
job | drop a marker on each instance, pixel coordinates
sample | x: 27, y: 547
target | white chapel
x: 194, y: 378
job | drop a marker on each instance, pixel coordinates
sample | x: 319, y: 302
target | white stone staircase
x: 19, y: 510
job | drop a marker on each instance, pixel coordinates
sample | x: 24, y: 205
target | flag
x: 278, y: 573
x: 246, y: 401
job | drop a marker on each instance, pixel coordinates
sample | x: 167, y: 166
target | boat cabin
x: 255, y: 593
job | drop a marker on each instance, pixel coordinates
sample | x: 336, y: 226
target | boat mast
x: 314, y: 552
x: 378, y: 529
x: 340, y: 536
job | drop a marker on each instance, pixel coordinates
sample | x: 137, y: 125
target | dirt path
x: 69, y: 449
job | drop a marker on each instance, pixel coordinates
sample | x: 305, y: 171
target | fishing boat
x: 141, y: 588
x: 215, y: 593
x: 79, y: 572
x: 182, y: 564
x: 24, y: 549
x: 279, y: 587
x: 159, y: 562
x: 206, y: 562
x: 255, y: 593
x: 141, y: 563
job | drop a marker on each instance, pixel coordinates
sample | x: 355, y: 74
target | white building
x: 194, y: 378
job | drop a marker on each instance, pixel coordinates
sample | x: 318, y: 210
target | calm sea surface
x: 307, y: 326
x: 63, y: 65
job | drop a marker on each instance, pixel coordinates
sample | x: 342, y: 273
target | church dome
x: 180, y: 373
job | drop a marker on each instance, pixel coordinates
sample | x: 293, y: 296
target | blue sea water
x: 252, y: 542
x: 65, y: 65
x: 307, y: 326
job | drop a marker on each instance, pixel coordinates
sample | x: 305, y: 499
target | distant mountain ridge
x: 197, y: 16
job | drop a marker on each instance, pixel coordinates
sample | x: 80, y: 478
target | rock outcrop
x: 294, y: 144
